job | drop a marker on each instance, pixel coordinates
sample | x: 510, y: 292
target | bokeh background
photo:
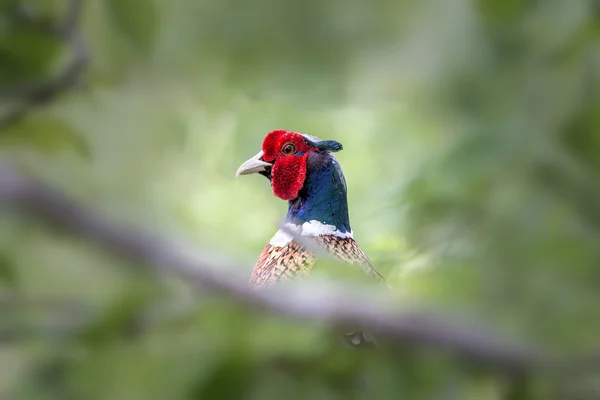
x: 471, y: 133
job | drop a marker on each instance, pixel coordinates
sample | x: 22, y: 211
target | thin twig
x: 35, y: 94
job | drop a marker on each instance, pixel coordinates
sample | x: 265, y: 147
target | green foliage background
x: 471, y: 131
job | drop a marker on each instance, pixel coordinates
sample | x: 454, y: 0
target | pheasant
x: 304, y: 171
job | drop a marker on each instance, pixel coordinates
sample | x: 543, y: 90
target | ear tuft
x: 325, y: 145
x: 330, y: 145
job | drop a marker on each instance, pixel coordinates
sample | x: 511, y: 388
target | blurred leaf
x: 503, y: 11
x: 8, y: 274
x: 137, y: 20
x: 47, y: 133
x: 228, y: 379
x: 120, y: 320
x: 27, y: 54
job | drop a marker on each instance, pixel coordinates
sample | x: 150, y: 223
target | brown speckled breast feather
x: 281, y: 263
x: 346, y: 249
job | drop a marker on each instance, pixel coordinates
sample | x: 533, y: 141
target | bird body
x: 283, y: 257
x: 304, y: 171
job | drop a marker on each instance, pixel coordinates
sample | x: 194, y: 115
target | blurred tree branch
x: 35, y: 94
x: 322, y: 302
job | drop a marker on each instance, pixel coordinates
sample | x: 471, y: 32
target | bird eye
x: 288, y: 149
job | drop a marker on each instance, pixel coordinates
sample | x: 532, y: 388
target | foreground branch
x: 316, y: 302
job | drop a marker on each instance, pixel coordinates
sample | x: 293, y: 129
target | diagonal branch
x: 321, y: 302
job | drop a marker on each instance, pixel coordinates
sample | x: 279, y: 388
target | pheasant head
x: 304, y: 171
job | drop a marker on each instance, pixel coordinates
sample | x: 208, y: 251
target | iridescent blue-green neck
x: 324, y: 195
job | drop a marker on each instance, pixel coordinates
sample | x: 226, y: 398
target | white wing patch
x: 316, y: 228
x: 310, y: 228
x: 281, y: 238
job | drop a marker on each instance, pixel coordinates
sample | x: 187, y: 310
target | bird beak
x: 253, y: 165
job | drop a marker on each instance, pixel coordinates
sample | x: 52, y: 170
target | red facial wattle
x: 289, y: 170
x: 288, y: 175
